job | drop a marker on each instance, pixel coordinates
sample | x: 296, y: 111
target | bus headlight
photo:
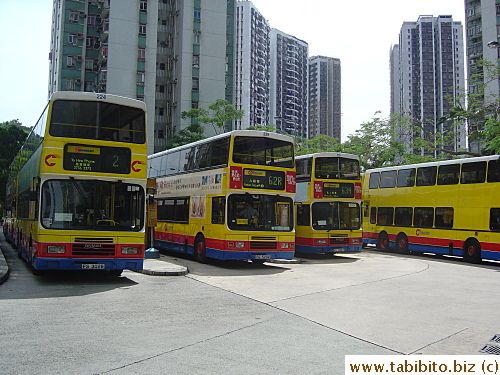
x: 130, y: 250
x: 356, y: 241
x: 320, y: 241
x: 285, y: 245
x: 56, y: 249
x: 240, y: 245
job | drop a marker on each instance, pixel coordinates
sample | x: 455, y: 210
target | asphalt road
x: 236, y: 317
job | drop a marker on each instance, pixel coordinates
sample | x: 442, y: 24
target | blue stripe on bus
x: 222, y: 254
x: 76, y: 264
x: 327, y: 249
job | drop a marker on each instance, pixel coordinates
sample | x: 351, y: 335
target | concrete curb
x: 163, y: 266
x: 4, y: 268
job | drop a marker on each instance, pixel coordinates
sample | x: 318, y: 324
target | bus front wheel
x: 402, y: 243
x: 383, y: 242
x: 200, y: 249
x: 472, y: 251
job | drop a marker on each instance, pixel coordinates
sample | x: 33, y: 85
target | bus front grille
x: 339, y: 241
x: 264, y: 238
x: 92, y: 249
x: 261, y: 245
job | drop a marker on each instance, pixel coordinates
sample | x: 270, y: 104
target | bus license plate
x: 92, y: 266
x: 263, y: 256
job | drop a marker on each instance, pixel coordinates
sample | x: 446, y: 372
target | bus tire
x: 200, y: 249
x: 402, y: 243
x: 472, y: 251
x: 383, y: 241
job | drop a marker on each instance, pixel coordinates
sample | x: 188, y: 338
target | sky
x: 360, y: 33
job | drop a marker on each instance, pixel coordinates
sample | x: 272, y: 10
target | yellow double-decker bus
x: 76, y: 190
x: 328, y: 203
x: 449, y: 207
x: 227, y: 197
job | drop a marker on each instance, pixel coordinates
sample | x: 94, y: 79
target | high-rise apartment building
x: 252, y: 66
x: 483, y: 30
x: 172, y: 54
x: 325, y: 112
x: 288, y: 84
x: 427, y: 75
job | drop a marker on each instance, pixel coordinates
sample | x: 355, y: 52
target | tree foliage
x: 12, y: 136
x: 217, y: 115
x: 192, y: 133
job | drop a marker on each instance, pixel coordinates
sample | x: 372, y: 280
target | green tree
x: 217, y: 115
x: 320, y: 143
x: 192, y: 133
x: 375, y: 143
x: 12, y: 136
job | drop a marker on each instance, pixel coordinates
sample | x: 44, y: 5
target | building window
x: 161, y: 134
x: 141, y: 53
x: 92, y: 21
x: 141, y: 77
x: 144, y: 6
x: 74, y: 17
x: 196, y: 61
x: 89, y: 64
x: 70, y: 61
x: 196, y: 36
x: 162, y: 66
x: 142, y: 30
x: 197, y: 15
x: 196, y: 84
x: 71, y: 84
x: 72, y: 38
x: 194, y: 105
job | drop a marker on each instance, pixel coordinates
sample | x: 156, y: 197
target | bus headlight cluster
x: 240, y: 245
x: 130, y: 250
x: 56, y: 249
x: 320, y: 241
x: 285, y: 245
x: 356, y: 241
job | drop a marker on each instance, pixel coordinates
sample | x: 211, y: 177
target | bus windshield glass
x: 92, y: 205
x: 337, y: 168
x: 263, y: 151
x: 97, y: 120
x: 335, y: 215
x: 260, y: 212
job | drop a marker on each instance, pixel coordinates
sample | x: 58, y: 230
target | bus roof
x: 92, y: 96
x: 433, y: 163
x: 246, y: 133
x: 328, y: 155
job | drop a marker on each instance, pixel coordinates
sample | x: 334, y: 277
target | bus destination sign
x: 85, y: 158
x: 338, y: 190
x: 261, y: 179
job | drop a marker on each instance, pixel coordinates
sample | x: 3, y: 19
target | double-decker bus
x: 448, y: 207
x: 328, y: 203
x: 76, y: 190
x: 227, y: 197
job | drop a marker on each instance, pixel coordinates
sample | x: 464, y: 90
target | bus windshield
x: 92, y: 205
x: 97, y: 120
x: 335, y: 215
x: 338, y: 168
x: 260, y: 212
x: 263, y: 151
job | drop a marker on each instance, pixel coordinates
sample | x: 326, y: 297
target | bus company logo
x: 252, y: 172
x: 83, y: 150
x: 49, y: 160
x: 421, y: 232
x: 136, y: 165
x: 93, y: 246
